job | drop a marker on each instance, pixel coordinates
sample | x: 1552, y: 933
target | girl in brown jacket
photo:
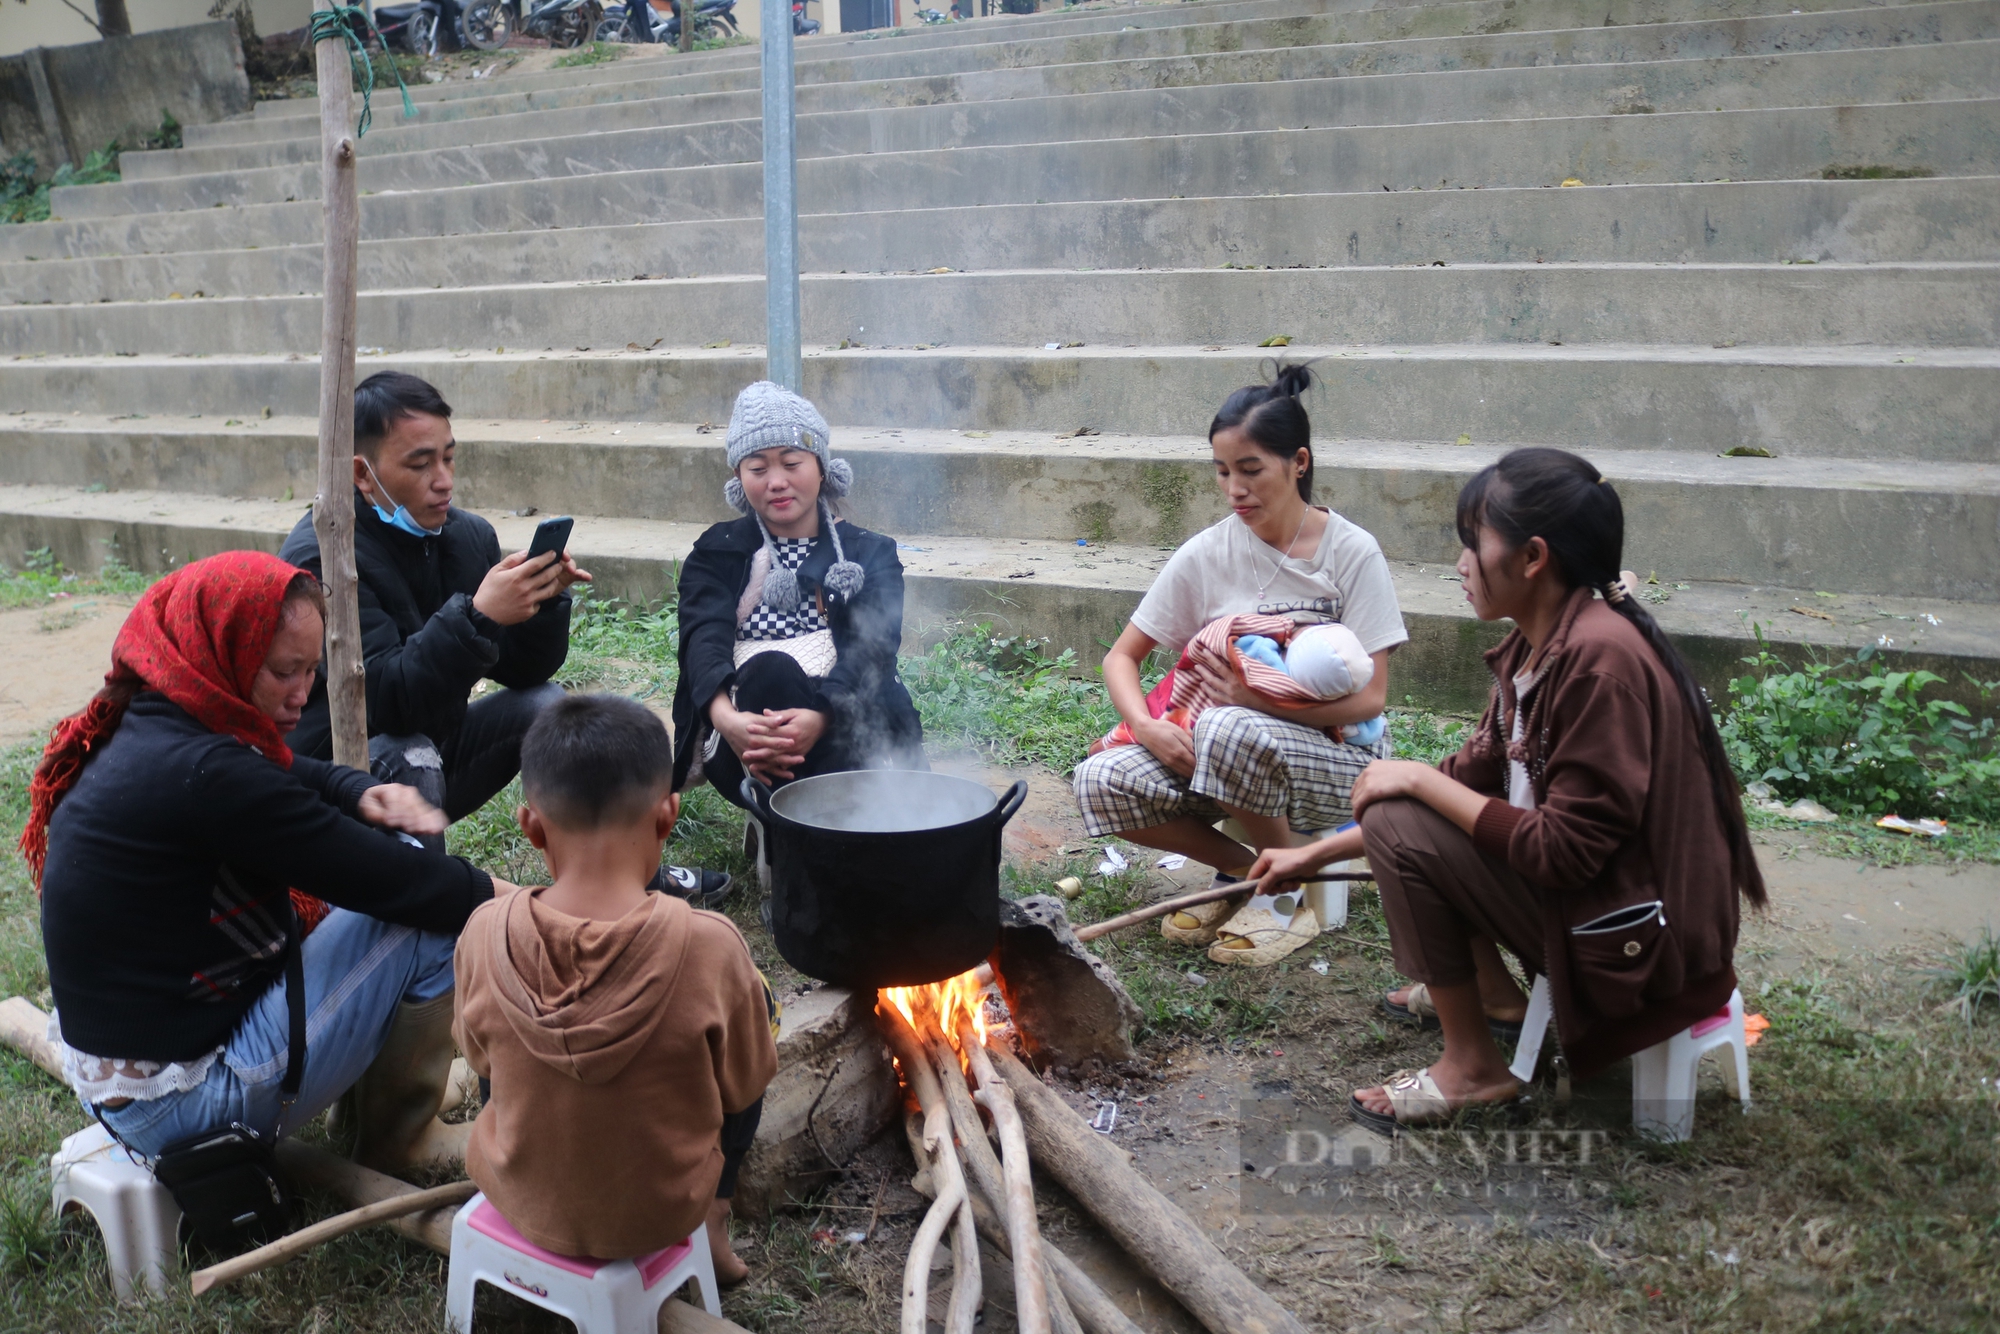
x: 1591, y: 825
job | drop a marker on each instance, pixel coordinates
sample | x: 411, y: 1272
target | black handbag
x: 226, y: 1181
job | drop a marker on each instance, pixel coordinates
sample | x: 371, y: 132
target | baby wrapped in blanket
x: 1292, y: 666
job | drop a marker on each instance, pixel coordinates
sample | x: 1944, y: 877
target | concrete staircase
x: 1041, y: 250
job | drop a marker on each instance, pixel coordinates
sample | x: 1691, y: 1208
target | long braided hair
x: 1562, y: 499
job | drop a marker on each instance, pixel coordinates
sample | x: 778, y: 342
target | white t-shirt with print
x: 1217, y: 572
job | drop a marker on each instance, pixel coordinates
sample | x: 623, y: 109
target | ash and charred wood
x: 1016, y: 1198
x: 953, y: 1202
x: 1166, y: 1243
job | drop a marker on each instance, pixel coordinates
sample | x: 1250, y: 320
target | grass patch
x: 1006, y: 698
x: 597, y: 53
x: 42, y: 581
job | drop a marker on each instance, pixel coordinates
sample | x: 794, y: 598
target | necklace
x: 1284, y: 555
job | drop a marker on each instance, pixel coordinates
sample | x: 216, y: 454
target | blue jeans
x: 357, y: 970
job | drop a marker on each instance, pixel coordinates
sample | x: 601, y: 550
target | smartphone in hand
x: 551, y: 535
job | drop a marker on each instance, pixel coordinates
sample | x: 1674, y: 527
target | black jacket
x: 863, y: 694
x: 164, y: 899
x: 424, y: 645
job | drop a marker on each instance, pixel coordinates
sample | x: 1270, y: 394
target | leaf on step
x: 980, y: 435
x: 940, y: 269
x: 1571, y: 181
x: 705, y: 428
x: 288, y: 494
x: 1746, y: 452
x: 1464, y: 439
x: 720, y: 342
x: 1277, y: 340
x: 1816, y: 614
x: 1081, y: 430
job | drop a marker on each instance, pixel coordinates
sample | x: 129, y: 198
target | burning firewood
x: 951, y: 1207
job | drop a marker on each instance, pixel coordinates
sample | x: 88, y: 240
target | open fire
x: 938, y: 1034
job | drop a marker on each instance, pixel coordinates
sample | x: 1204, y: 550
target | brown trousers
x: 1439, y: 892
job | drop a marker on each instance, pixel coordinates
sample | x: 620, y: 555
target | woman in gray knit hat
x: 789, y: 617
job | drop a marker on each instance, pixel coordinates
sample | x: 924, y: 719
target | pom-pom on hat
x: 770, y: 416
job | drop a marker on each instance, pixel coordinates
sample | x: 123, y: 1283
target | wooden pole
x: 333, y: 506
x: 1165, y: 906
x: 1167, y: 1243
x: 298, y: 1243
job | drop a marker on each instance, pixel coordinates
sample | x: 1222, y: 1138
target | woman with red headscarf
x: 180, y: 849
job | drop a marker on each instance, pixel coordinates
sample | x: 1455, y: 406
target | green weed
x: 42, y: 580
x: 29, y: 1233
x: 1972, y: 970
x: 23, y: 198
x: 1862, y: 740
x: 597, y: 53
x: 1426, y: 736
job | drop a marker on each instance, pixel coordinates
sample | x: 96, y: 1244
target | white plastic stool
x: 597, y: 1296
x: 1662, y: 1075
x: 138, y: 1217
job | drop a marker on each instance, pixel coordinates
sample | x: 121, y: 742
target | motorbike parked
x: 490, y: 23
x: 713, y: 18
x: 428, y: 29
x: 801, y: 25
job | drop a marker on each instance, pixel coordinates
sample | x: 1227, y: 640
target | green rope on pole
x: 337, y: 24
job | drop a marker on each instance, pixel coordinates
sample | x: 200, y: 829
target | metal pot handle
x: 1010, y: 803
x: 757, y: 797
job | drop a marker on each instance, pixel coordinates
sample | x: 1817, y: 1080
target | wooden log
x: 953, y: 1202
x: 333, y: 507
x: 1165, y: 1241
x: 1033, y: 1309
x: 357, y: 1185
x: 26, y: 1029
x: 1017, y: 1197
x: 1200, y: 896
x: 298, y: 1243
x: 1093, y: 1311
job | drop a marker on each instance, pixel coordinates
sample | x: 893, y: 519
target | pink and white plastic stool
x: 1662, y: 1075
x: 597, y: 1296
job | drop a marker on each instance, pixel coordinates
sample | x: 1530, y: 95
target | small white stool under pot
x: 1663, y: 1075
x: 597, y: 1296
x: 138, y: 1217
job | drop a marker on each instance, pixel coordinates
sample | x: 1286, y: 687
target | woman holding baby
x: 1279, y: 766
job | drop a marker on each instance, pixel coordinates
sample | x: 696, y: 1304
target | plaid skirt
x: 1247, y: 759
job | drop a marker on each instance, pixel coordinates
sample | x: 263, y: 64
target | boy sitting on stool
x: 627, y: 1035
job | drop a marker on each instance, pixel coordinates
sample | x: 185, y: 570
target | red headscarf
x: 199, y: 637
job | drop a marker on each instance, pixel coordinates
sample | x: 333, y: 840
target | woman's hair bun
x: 1292, y: 380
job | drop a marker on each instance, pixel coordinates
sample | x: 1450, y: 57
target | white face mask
x: 401, y: 518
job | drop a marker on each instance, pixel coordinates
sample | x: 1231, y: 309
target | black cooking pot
x: 884, y: 877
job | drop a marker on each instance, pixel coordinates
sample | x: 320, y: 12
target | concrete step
x: 1078, y: 597
x: 1772, y: 305
x: 1343, y: 23
x: 1494, y: 82
x: 1967, y: 70
x: 1939, y: 138
x: 1911, y: 406
x: 1858, y: 526
x: 1739, y: 222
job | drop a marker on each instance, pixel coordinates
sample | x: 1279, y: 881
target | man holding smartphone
x: 441, y: 611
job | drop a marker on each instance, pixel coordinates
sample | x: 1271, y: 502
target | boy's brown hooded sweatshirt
x: 614, y: 1049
